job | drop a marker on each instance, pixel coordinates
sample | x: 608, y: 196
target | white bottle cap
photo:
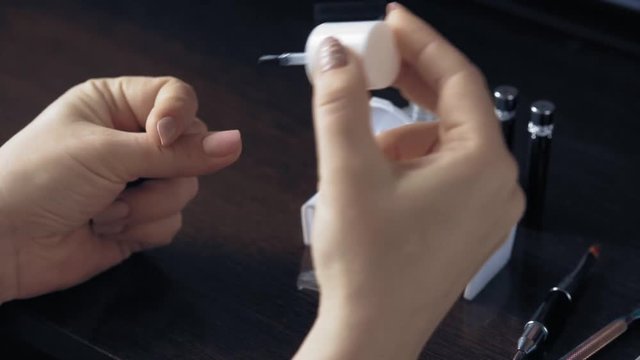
x: 372, y: 41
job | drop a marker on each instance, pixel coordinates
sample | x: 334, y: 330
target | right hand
x: 405, y: 220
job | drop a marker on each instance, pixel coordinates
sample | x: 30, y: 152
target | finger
x: 164, y: 106
x: 152, y: 200
x: 158, y: 199
x: 108, y: 229
x: 129, y: 156
x: 341, y: 113
x: 148, y: 235
x: 517, y: 204
x: 173, y: 111
x: 196, y: 127
x: 59, y: 268
x: 116, y: 212
x: 409, y: 141
x: 462, y: 98
x: 413, y: 88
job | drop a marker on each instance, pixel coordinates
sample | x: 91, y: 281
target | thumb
x: 128, y: 156
x: 344, y: 140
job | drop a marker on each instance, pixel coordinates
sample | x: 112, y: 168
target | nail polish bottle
x: 373, y: 43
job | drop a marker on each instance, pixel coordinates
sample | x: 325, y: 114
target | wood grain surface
x: 225, y: 289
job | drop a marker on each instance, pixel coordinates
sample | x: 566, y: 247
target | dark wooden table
x: 226, y: 288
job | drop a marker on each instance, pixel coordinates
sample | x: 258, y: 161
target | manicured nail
x: 118, y: 210
x: 222, y: 143
x: 167, y: 130
x: 392, y: 6
x: 332, y: 54
x: 105, y: 230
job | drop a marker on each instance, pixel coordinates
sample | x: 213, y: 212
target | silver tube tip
x: 519, y: 355
x: 265, y: 59
x: 286, y: 59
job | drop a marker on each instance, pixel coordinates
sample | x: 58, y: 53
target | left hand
x: 66, y: 212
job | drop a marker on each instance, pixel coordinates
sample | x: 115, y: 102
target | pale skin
x: 67, y: 214
x: 406, y: 218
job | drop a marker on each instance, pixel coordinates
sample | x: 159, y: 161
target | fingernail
x: 332, y: 54
x: 392, y: 6
x: 118, y: 210
x: 108, y: 229
x: 167, y: 130
x: 222, y: 143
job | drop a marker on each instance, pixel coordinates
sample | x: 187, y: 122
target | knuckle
x: 190, y: 188
x: 93, y: 83
x: 173, y: 226
x: 338, y: 111
x: 335, y: 94
x: 339, y: 90
x: 170, y: 79
x: 497, y: 160
x: 92, y: 87
x: 483, y: 161
x: 187, y: 90
x: 177, y: 83
x: 181, y: 84
x: 163, y: 240
x: 518, y: 203
x: 332, y: 105
x: 475, y: 74
x: 184, y: 95
x: 176, y: 224
x: 477, y: 159
x: 508, y: 168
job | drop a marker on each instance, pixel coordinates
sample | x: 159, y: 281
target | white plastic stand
x: 384, y: 116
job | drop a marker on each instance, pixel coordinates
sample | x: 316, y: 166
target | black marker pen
x: 548, y: 319
x: 540, y: 129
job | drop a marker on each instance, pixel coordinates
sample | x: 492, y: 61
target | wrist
x: 362, y: 331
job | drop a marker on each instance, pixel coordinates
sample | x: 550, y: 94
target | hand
x: 68, y: 206
x: 405, y: 220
